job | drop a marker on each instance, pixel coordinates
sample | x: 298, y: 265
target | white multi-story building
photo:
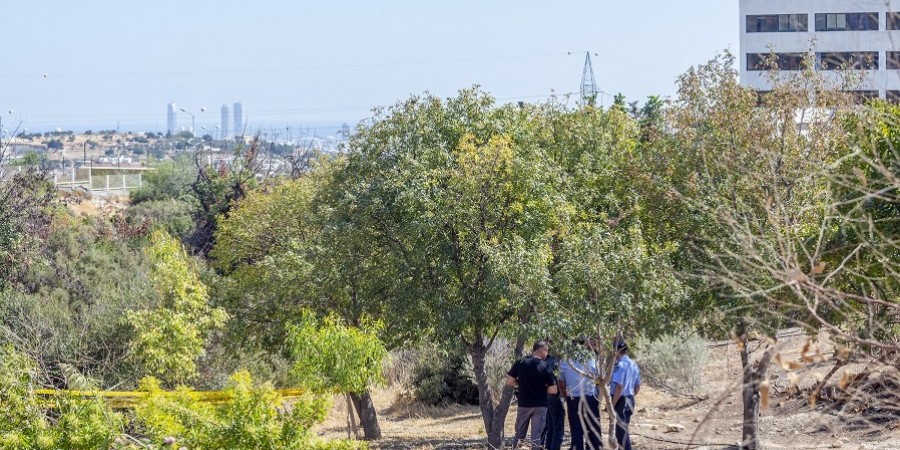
x: 225, y: 119
x: 238, y: 112
x: 171, y: 119
x: 861, y: 35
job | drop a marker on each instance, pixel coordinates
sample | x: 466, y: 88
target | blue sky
x: 315, y: 64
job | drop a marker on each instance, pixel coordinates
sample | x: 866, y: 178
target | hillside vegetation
x: 466, y: 229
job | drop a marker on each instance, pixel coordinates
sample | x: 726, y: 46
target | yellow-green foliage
x: 171, y: 337
x: 85, y: 424
x: 78, y: 424
x: 332, y: 356
x: 251, y: 416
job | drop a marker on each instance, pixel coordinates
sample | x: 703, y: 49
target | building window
x: 866, y: 21
x: 847, y: 60
x: 777, y: 23
x: 892, y: 96
x: 893, y: 21
x: 780, y: 61
x: 893, y: 60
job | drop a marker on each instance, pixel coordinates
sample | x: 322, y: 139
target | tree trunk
x: 494, y: 416
x: 368, y: 416
x: 753, y: 376
x: 610, y: 414
x: 607, y: 365
x: 351, y: 419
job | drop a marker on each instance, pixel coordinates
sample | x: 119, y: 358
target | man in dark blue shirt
x: 556, y: 413
x: 535, y: 380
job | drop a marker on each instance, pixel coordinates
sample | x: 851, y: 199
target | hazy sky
x: 315, y: 64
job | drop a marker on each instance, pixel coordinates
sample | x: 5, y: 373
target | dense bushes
x: 249, y: 416
x: 253, y: 417
x: 441, y: 378
x: 173, y: 216
x: 26, y: 422
x: 72, y: 297
x: 170, y: 180
x: 171, y: 336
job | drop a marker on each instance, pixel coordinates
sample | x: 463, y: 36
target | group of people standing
x: 549, y: 389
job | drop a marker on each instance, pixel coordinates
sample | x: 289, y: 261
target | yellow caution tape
x: 126, y: 399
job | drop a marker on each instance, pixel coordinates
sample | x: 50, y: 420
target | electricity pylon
x: 589, y: 89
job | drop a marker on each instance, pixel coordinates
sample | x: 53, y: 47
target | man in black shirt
x: 535, y: 380
x: 556, y: 412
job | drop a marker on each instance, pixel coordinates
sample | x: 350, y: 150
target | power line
x: 282, y: 69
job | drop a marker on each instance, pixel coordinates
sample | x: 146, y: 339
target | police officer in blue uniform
x: 625, y: 384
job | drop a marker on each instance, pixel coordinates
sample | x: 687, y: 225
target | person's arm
x: 562, y: 388
x: 637, y: 381
x: 513, y: 375
x: 618, y: 385
x: 617, y: 393
x: 551, y: 384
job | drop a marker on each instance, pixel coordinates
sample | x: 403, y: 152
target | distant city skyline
x: 320, y: 64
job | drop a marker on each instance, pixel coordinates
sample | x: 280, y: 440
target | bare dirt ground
x: 789, y: 422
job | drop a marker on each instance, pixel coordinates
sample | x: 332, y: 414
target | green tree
x: 331, y: 356
x: 754, y: 178
x: 169, y: 180
x: 291, y: 247
x: 614, y: 271
x: 460, y: 197
x: 169, y: 338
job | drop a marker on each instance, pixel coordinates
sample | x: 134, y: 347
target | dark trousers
x: 556, y: 416
x: 584, y: 419
x: 624, y: 409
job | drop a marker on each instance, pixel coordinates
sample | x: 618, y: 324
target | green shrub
x: 673, y: 362
x: 170, y: 338
x: 75, y: 295
x: 170, y: 180
x: 440, y: 378
x: 334, y: 357
x: 170, y: 215
x: 80, y: 424
x: 86, y: 424
x: 250, y: 416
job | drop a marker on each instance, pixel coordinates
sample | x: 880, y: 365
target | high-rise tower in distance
x: 225, y: 119
x: 171, y: 119
x: 238, y: 119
